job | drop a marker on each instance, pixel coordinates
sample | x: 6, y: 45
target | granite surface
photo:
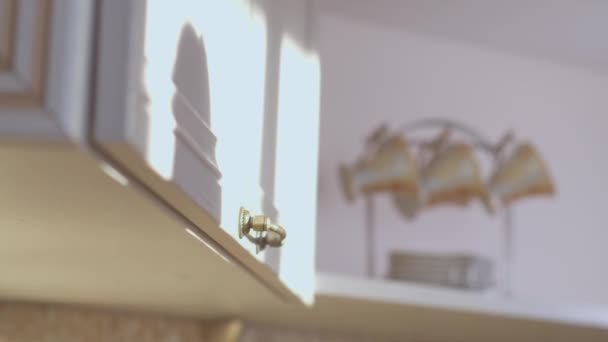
x: 55, y: 323
x: 23, y: 322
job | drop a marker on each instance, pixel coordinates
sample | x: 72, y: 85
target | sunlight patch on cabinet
x: 296, y: 163
x: 235, y: 37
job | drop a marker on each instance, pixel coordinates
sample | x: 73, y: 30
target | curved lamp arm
x: 479, y: 140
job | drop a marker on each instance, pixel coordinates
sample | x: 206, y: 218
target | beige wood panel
x: 72, y: 234
x: 126, y: 157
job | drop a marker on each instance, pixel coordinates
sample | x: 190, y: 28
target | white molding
x: 59, y: 57
x: 119, y: 78
x: 68, y: 67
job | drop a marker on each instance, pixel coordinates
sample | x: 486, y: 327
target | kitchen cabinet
x: 204, y: 106
x: 122, y: 91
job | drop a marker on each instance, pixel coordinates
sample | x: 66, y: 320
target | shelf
x: 397, y: 310
x: 400, y: 312
x: 399, y: 292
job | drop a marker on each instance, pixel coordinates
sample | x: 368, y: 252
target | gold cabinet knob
x: 265, y: 232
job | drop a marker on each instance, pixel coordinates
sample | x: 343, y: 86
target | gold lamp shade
x: 524, y: 174
x: 390, y: 168
x: 408, y: 204
x: 453, y: 176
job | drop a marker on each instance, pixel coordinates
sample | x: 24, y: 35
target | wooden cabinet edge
x: 128, y: 160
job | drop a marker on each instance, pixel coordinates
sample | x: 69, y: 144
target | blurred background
x: 536, y: 69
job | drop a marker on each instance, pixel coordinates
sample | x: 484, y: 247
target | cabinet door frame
x: 44, y: 69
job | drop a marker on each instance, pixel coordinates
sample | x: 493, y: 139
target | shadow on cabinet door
x: 195, y: 142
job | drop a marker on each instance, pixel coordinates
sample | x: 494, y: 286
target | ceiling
x: 563, y: 31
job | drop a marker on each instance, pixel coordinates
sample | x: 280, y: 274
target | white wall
x: 373, y: 75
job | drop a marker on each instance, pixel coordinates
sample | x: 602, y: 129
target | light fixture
x: 453, y: 176
x: 445, y: 171
x: 523, y: 175
x: 389, y: 167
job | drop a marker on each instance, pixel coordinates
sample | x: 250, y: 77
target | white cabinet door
x: 213, y: 105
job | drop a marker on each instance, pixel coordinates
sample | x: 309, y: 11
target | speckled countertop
x: 55, y: 323
x: 23, y: 322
